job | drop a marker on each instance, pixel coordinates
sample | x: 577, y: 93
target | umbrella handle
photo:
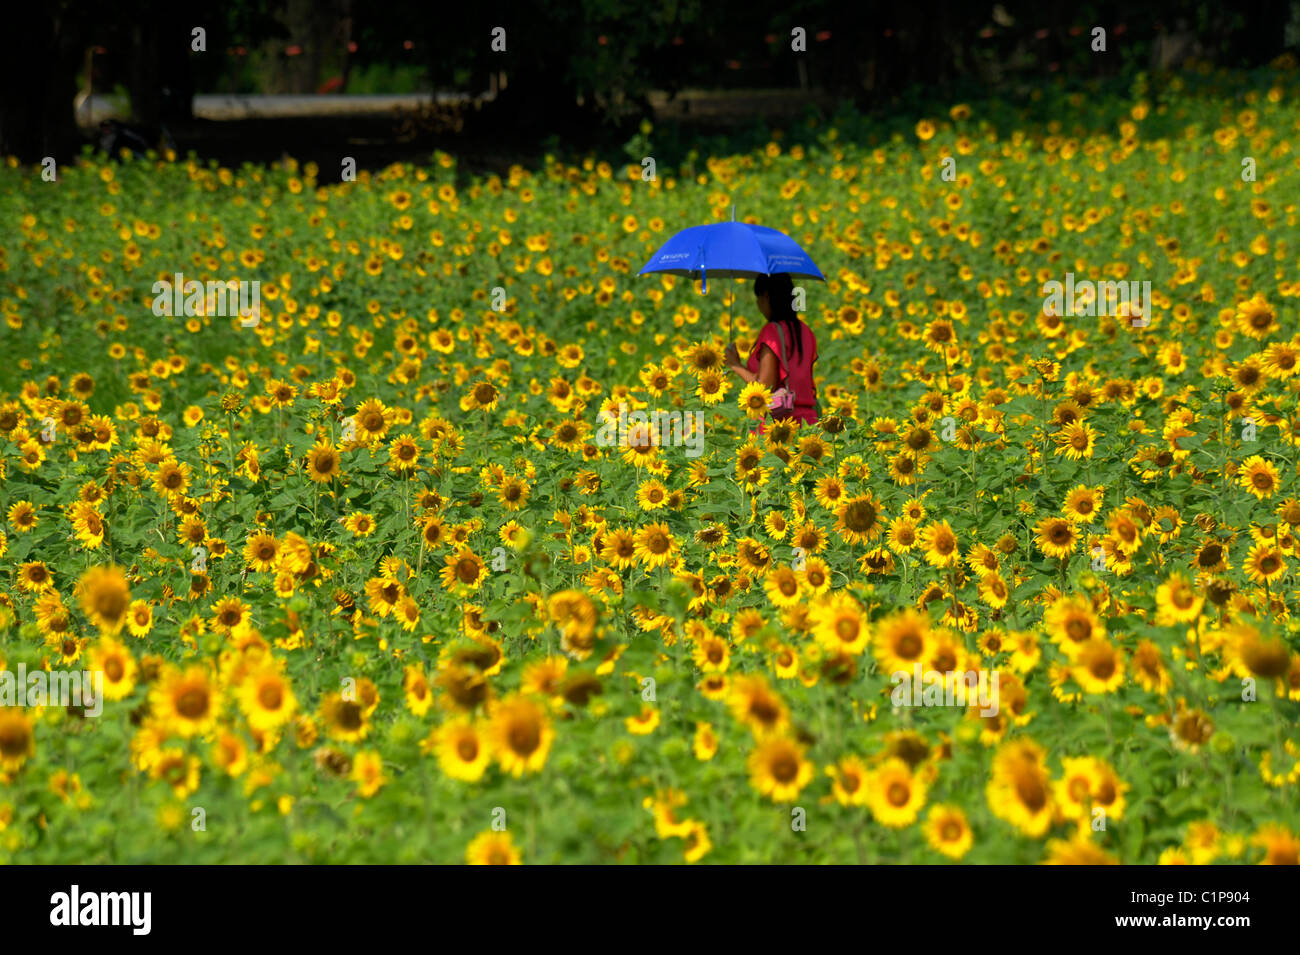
x: 731, y: 319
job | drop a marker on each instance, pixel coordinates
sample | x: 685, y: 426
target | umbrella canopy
x: 732, y: 250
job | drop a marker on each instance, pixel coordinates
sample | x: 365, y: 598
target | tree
x: 38, y: 81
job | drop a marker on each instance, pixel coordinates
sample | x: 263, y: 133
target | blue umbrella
x: 732, y: 250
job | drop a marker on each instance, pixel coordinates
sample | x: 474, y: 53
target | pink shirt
x: 797, y: 373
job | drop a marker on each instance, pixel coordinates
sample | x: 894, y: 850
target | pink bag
x: 782, y: 399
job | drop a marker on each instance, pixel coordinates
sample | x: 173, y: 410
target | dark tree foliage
x: 570, y: 64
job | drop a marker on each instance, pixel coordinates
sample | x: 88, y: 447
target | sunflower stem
x: 1110, y: 731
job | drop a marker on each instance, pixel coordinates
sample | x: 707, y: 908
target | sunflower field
x: 367, y: 580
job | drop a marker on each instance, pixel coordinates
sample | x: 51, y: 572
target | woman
x: 793, y: 369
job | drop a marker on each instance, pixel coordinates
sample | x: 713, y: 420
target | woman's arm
x: 769, y: 369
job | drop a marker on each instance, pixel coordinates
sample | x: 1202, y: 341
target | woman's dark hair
x: 780, y: 295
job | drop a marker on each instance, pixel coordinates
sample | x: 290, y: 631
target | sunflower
x: 1281, y: 360
x: 105, y: 598
x: 1071, y: 623
x: 1190, y: 729
x: 344, y: 719
x: 416, y: 690
x: 193, y: 531
x: 574, y: 615
x: 114, y: 661
x: 262, y: 551
x: 748, y: 456
x: 895, y: 794
x: 1082, y: 503
x: 901, y: 640
x: 1098, y: 667
x: 753, y: 702
x: 902, y: 535
x: 229, y: 613
x: 323, y: 462
x: 776, y: 525
x: 295, y: 555
x: 753, y: 556
x: 711, y: 654
x: 177, y: 770
x: 1281, y: 846
x: 816, y: 576
x: 696, y: 842
x: 1125, y: 532
x: 782, y: 586
x: 705, y: 742
x: 383, y: 594
x: 1203, y: 841
x: 1089, y: 783
x: 849, y: 784
x: 1254, y: 655
x: 280, y: 393
x: 569, y: 435
x: 1258, y: 476
x: 493, y: 848
x: 483, y: 396
x: 359, y: 524
x: 1211, y: 557
x: 840, y: 624
x: 407, y: 613
x: 983, y: 560
x: 644, y: 722
x: 139, y: 618
x: 1056, y: 537
x: 17, y: 739
x: 1256, y: 318
x: 1076, y: 441
x: 464, y: 572
x: 172, y: 478
x: 904, y: 468
x: 521, y: 735
x: 34, y: 577
x: 652, y: 495
x: 230, y: 753
x: 1079, y: 850
x: 513, y: 493
x: 993, y: 590
x: 403, y: 454
x: 947, y: 831
x: 940, y: 545
x: 23, y: 517
x: 368, y: 773
x: 462, y: 751
x: 1264, y: 564
x: 1019, y: 789
x: 185, y: 701
x: 266, y: 699
x: 778, y: 769
x: 655, y: 545
x: 620, y: 548
x: 544, y: 677
x: 1149, y: 669
x: 754, y: 400
x: 372, y: 421
x: 1177, y: 601
x: 514, y: 535
x: 858, y: 519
